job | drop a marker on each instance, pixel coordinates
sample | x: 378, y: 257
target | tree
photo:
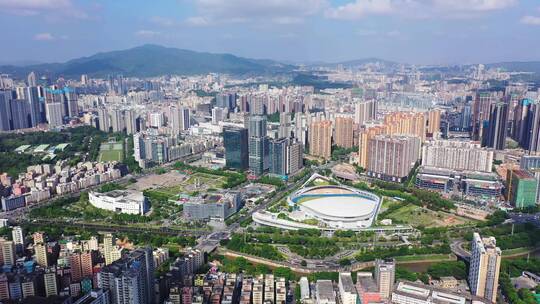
x: 284, y: 272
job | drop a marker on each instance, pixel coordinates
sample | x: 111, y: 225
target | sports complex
x: 326, y: 204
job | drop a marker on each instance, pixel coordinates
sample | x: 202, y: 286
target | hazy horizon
x: 405, y: 31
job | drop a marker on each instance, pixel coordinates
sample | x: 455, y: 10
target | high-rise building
x: 484, y: 267
x: 156, y: 120
x: 50, y: 282
x: 285, y: 128
x: 278, y: 156
x: 235, y: 141
x: 365, y: 111
x: 406, y: 123
x: 38, y: 237
x: 180, y: 119
x: 110, y: 250
x: 218, y: 115
x: 40, y: 250
x: 32, y: 96
x: 392, y: 157
x: 7, y: 252
x: 130, y: 117
x: 18, y: 238
x: 367, y: 133
x: 74, y: 261
x: 344, y: 132
x: 85, y: 80
x: 130, y: 280
x: 434, y: 123
x: 531, y: 137
x: 20, y: 114
x: 480, y: 112
x: 457, y: 155
x: 4, y: 287
x: 118, y: 123
x: 71, y: 101
x: 258, y: 145
x: 54, y: 112
x: 86, y: 264
x: 295, y: 157
x: 320, y: 139
x: 385, y: 276
x: 521, y: 188
x: 32, y: 79
x: 495, y: 135
x: 5, y: 110
x: 226, y: 100
x: 104, y: 119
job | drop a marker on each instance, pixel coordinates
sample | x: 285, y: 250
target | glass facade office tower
x: 235, y: 141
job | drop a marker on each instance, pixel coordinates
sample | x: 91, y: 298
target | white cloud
x: 37, y: 7
x: 417, y: 8
x: 530, y: 20
x: 474, y: 5
x: 266, y: 11
x: 361, y: 8
x: 44, y: 37
x: 147, y: 33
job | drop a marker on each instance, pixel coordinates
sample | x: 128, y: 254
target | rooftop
x: 325, y: 290
x: 347, y: 282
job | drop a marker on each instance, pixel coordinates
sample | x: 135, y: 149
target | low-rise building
x: 418, y: 293
x: 122, y: 201
x: 368, y: 291
x: 212, y: 206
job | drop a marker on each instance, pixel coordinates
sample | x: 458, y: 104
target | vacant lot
x: 418, y: 216
x: 174, y: 183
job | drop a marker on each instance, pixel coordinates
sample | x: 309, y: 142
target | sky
x: 407, y: 31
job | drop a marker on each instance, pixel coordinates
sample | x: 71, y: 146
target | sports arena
x: 336, y: 206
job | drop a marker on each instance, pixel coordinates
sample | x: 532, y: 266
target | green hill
x: 152, y: 60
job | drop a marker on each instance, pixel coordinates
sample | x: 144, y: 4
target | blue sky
x: 412, y: 31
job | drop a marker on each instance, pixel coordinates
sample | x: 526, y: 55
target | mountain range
x: 152, y: 60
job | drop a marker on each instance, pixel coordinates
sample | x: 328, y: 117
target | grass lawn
x: 521, y: 250
x: 418, y: 216
x: 423, y: 257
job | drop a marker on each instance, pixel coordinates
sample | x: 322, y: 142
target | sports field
x: 111, y: 152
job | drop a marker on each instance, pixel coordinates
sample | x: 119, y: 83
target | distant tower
x: 85, y: 80
x: 32, y: 79
x: 258, y: 145
x: 495, y: 135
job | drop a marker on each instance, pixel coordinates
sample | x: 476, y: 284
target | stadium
x: 335, y: 206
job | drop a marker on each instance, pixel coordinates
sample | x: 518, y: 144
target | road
x: 263, y: 205
x: 457, y: 248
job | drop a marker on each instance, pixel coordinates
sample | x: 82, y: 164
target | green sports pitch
x: 111, y: 152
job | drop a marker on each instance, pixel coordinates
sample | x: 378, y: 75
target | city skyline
x: 416, y: 32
